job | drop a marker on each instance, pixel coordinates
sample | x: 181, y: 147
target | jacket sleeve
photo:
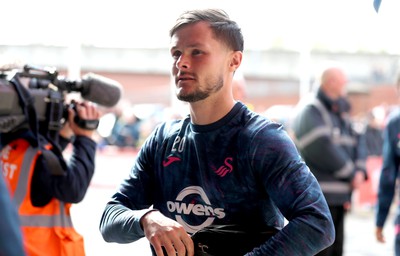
x: 297, y: 194
x: 72, y: 186
x: 120, y: 221
x: 389, y: 172
x: 120, y: 224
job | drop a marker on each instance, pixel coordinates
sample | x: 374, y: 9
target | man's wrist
x: 144, y: 216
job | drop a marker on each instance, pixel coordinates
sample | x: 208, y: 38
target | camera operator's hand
x: 85, y: 111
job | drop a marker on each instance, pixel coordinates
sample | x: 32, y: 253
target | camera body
x: 39, y: 94
x: 45, y: 102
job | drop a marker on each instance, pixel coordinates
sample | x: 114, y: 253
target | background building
x: 274, y: 77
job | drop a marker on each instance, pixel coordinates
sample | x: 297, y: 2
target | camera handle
x: 88, y: 124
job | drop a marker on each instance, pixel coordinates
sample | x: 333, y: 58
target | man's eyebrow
x: 195, y: 45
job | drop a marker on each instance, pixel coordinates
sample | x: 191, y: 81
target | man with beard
x: 222, y: 165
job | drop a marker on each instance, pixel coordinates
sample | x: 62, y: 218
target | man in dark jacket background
x: 330, y: 147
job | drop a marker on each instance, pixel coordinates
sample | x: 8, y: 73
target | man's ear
x: 236, y: 60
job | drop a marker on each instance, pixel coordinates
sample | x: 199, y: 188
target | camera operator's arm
x: 72, y: 186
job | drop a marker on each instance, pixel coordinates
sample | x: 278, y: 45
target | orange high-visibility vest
x: 47, y: 230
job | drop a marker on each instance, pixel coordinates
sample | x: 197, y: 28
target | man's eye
x: 176, y: 54
x: 196, y: 52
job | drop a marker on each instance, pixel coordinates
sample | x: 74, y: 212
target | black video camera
x: 44, y: 91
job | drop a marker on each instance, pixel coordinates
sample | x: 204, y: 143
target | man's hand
x: 358, y: 180
x: 85, y: 110
x: 379, y: 235
x: 165, y: 232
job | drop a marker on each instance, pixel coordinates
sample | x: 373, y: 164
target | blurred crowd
x: 126, y: 125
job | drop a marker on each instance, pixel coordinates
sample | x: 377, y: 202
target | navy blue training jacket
x: 242, y: 169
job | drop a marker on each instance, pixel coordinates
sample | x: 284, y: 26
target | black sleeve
x: 63, y: 142
x: 72, y: 186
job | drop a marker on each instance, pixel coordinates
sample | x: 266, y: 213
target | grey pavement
x: 111, y: 168
x: 360, y: 235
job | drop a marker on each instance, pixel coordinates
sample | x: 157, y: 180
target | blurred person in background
x: 331, y: 148
x: 388, y: 180
x: 222, y: 166
x: 239, y: 89
x: 127, y: 134
x: 111, y: 124
x: 373, y: 134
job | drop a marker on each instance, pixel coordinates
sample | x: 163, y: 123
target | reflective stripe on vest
x: 22, y: 185
x: 328, y: 130
x: 314, y: 134
x: 324, y: 113
x: 335, y: 187
x: 344, y: 140
x: 320, y: 131
x: 338, y: 139
x: 37, y: 220
x: 346, y: 170
x: 61, y: 220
